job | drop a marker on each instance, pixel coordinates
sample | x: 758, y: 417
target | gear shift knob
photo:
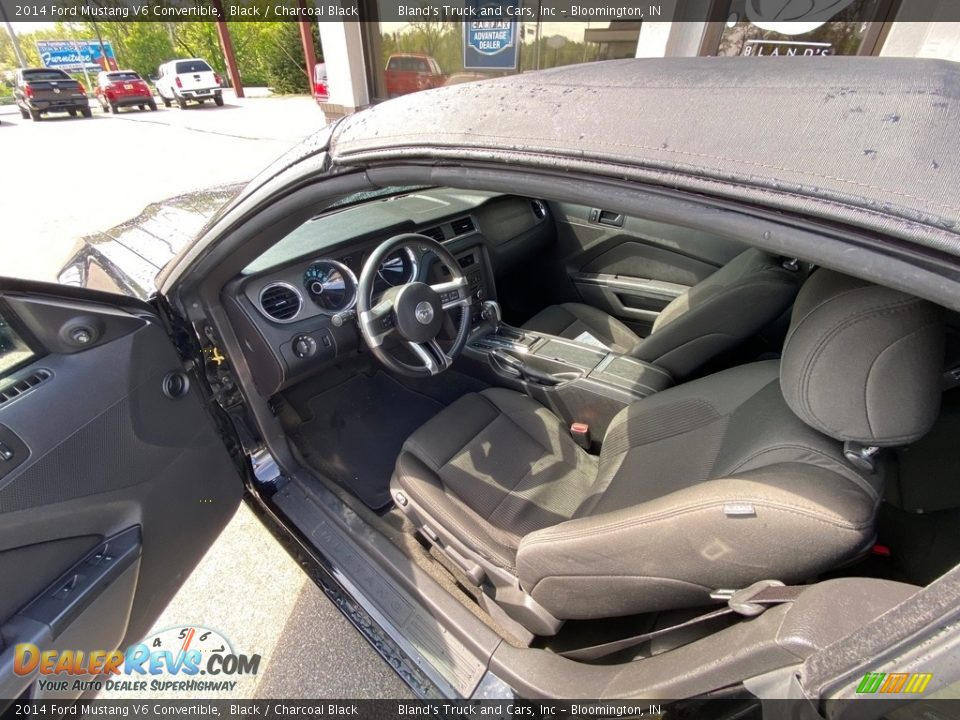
x: 491, y: 311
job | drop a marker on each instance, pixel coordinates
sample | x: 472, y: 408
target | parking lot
x: 66, y: 177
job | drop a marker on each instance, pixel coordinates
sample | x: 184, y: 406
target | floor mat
x: 356, y: 431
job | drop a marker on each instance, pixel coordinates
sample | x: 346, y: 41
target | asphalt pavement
x: 64, y: 178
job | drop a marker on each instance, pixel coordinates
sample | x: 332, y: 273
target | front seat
x: 759, y: 472
x: 715, y: 315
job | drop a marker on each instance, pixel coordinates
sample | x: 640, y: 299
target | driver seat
x: 763, y: 471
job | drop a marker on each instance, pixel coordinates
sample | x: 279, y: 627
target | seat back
x: 717, y: 314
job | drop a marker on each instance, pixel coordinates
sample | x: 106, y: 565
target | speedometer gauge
x: 331, y: 285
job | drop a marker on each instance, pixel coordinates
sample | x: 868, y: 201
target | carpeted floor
x: 356, y: 430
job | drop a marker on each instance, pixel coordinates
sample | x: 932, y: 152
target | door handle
x: 606, y: 217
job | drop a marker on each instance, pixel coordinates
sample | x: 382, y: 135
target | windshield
x: 387, y: 210
x: 32, y: 75
x: 122, y: 76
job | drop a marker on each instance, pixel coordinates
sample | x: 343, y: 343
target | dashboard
x: 298, y: 317
x: 327, y: 286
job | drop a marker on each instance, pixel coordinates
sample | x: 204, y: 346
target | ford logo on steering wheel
x: 424, y: 313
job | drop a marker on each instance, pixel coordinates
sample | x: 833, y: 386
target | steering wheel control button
x: 304, y: 346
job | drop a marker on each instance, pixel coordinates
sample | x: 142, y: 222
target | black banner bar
x: 594, y: 11
x: 715, y: 707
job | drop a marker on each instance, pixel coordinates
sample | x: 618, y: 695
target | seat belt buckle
x: 580, y: 432
x: 740, y: 600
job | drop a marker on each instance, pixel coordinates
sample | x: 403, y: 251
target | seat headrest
x: 863, y: 362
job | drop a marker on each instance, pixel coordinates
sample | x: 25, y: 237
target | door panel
x: 627, y: 297
x: 120, y: 480
x: 630, y: 267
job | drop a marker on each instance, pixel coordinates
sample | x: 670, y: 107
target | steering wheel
x: 413, y: 312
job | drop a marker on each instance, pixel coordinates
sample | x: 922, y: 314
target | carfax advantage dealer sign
x: 491, y: 43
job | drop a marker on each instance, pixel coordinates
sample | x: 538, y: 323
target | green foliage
x: 281, y: 57
x: 142, y: 47
x: 268, y: 53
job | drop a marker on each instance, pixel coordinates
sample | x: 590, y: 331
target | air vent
x: 539, y: 209
x: 462, y: 226
x: 435, y: 232
x: 280, y: 302
x: 19, y: 387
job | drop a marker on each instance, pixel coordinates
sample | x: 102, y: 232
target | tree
x: 268, y: 53
x: 281, y: 57
x: 145, y: 47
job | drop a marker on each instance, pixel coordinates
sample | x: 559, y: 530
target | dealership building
x: 370, y: 61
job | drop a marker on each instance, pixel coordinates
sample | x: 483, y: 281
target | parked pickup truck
x: 39, y: 91
x: 182, y: 80
x: 410, y: 72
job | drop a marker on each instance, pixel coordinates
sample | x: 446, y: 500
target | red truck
x: 38, y: 91
x: 411, y: 72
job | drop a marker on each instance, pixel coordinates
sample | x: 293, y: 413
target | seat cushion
x: 710, y: 484
x: 585, y: 324
x: 493, y: 467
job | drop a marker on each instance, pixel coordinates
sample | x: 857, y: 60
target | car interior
x: 595, y: 453
x: 592, y: 428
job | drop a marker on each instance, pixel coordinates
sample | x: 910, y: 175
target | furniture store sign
x: 76, y: 54
x: 491, y: 44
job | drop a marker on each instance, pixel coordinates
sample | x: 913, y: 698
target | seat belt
x: 748, y: 602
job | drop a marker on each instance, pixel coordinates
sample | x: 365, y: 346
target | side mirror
x: 153, y: 78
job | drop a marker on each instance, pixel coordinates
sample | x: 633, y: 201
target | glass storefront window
x: 411, y: 56
x: 843, y: 34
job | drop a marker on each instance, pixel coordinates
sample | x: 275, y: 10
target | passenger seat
x: 715, y: 315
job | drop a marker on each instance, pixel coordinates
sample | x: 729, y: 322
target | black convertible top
x: 865, y: 141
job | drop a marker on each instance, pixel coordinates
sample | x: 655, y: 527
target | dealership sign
x: 76, y: 54
x: 491, y: 44
x: 785, y: 48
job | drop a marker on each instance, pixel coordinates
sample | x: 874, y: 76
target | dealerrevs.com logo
x: 176, y: 659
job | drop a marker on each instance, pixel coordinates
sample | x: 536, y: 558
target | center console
x: 580, y: 383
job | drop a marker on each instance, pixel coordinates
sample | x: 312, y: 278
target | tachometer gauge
x: 398, y: 267
x: 331, y: 285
